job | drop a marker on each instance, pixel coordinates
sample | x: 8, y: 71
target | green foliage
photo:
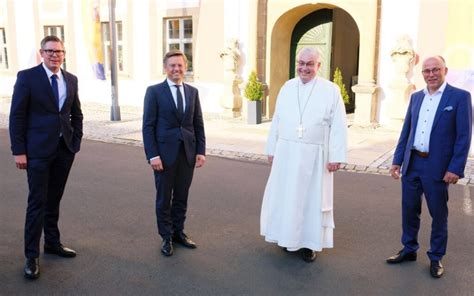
x: 254, y: 88
x: 339, y: 81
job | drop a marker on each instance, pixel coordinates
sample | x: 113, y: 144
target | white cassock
x: 297, y: 207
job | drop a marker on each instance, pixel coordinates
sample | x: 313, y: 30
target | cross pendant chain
x: 300, y: 129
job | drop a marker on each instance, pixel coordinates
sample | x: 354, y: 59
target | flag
x: 92, y: 36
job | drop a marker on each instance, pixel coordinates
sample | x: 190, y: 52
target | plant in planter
x: 253, y: 91
x: 339, y: 81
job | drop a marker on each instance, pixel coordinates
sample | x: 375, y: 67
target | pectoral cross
x: 300, y: 129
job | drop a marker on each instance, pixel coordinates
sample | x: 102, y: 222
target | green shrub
x: 254, y: 88
x: 338, y: 80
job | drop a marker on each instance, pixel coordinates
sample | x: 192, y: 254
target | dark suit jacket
x: 163, y: 130
x: 36, y: 122
x: 450, y: 136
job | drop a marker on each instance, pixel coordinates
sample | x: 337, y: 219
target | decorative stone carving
x: 231, y: 55
x: 404, y: 59
x: 231, y: 99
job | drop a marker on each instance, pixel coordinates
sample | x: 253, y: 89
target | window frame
x: 4, y: 66
x: 181, y: 41
x: 105, y: 36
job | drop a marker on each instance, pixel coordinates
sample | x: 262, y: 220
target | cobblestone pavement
x: 370, y: 148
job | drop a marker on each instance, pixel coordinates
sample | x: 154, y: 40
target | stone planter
x: 254, y: 112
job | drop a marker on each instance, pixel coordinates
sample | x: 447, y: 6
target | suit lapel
x: 169, y: 97
x: 187, y: 98
x: 45, y: 80
x: 442, y: 104
x: 68, y: 89
x: 418, y: 102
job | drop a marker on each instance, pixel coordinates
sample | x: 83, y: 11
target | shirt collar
x: 172, y: 83
x: 49, y: 72
x: 439, y: 91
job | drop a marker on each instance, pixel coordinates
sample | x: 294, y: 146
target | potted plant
x: 253, y: 91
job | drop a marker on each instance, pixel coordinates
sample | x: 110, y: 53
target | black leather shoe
x: 167, y: 247
x: 436, y: 269
x: 400, y: 257
x: 32, y: 269
x: 308, y: 255
x: 60, y: 250
x: 184, y: 240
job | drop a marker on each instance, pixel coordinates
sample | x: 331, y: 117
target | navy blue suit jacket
x: 163, y: 130
x: 450, y: 136
x: 35, y: 119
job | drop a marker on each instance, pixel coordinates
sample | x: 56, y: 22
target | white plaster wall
x: 27, y: 50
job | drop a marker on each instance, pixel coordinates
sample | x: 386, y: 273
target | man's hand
x: 395, y: 171
x: 200, y: 160
x: 270, y: 159
x: 156, y: 164
x: 450, y: 178
x: 333, y: 166
x: 21, y: 161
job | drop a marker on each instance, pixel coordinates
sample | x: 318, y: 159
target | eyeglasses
x: 435, y: 71
x: 51, y: 52
x: 307, y: 64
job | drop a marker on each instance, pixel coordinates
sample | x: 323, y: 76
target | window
x: 3, y: 50
x: 105, y: 29
x: 179, y: 36
x: 59, y: 32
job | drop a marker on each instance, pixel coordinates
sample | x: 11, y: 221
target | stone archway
x: 362, y: 60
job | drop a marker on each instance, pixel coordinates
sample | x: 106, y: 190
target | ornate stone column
x: 403, y: 58
x: 231, y: 99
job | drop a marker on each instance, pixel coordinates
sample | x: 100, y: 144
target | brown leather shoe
x: 436, y: 269
x: 308, y: 255
x: 401, y: 257
x: 184, y: 240
x: 32, y: 270
x: 59, y: 250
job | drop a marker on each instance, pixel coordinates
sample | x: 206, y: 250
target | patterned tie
x: 54, y: 85
x: 179, y: 98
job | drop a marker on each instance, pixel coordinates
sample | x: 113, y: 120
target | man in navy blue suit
x: 432, y: 152
x: 45, y: 135
x: 174, y: 140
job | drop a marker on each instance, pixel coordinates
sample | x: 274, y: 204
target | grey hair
x: 313, y: 51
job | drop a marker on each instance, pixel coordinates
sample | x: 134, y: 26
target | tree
x: 339, y: 81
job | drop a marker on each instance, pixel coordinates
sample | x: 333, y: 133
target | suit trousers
x: 172, y: 188
x: 47, y: 179
x: 416, y: 182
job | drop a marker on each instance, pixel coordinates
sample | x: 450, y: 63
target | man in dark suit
x: 174, y: 140
x: 45, y: 134
x: 432, y: 152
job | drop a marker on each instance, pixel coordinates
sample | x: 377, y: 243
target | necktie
x: 54, y: 85
x: 179, y: 98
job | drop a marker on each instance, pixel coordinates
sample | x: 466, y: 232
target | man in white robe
x: 307, y: 143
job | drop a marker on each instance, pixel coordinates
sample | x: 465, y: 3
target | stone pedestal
x: 399, y: 96
x: 365, y: 103
x: 231, y: 99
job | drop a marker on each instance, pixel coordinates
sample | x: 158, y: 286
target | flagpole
x: 115, y: 108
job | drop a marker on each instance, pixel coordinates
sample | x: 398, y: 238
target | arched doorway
x: 335, y: 34
x: 313, y: 30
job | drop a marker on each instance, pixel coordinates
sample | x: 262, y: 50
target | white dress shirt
x: 173, y: 92
x: 61, y: 85
x: 425, y: 119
